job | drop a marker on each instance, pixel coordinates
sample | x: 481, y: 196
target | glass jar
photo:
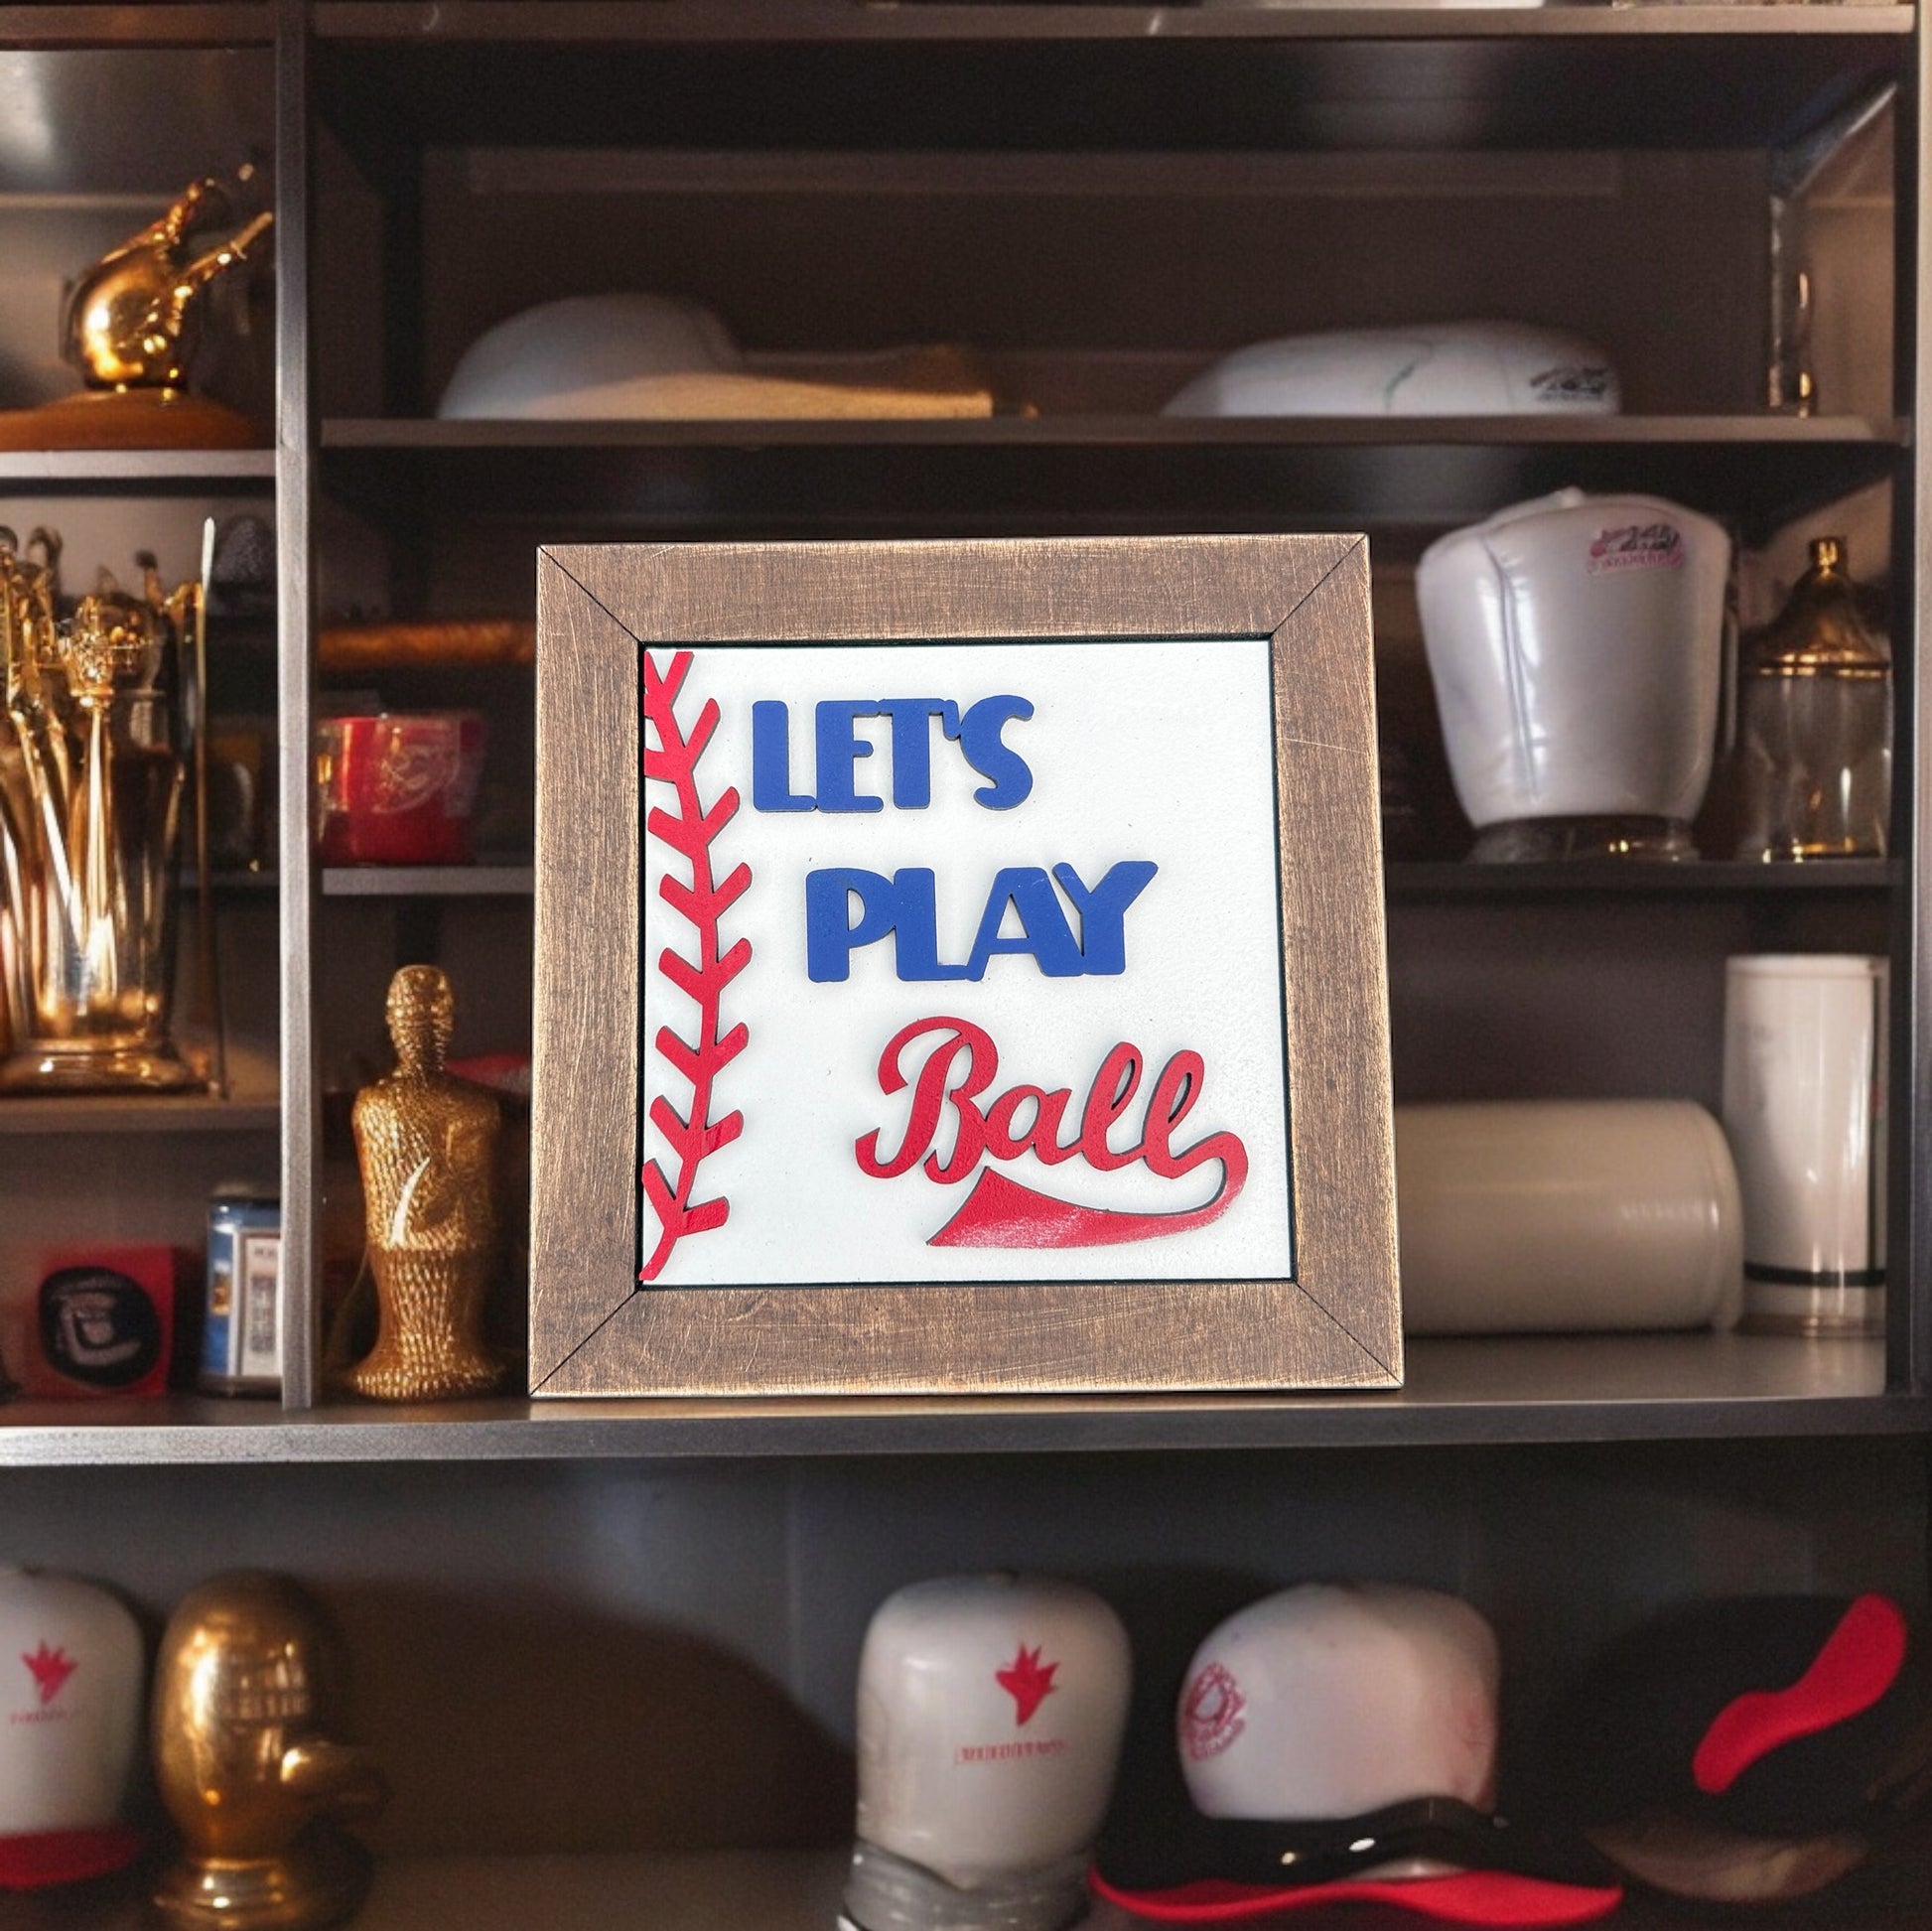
x: 1813, y: 737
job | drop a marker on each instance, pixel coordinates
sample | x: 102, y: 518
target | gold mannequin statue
x: 426, y: 1143
x: 246, y: 1691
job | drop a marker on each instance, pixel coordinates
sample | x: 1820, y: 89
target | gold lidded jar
x: 1814, y: 727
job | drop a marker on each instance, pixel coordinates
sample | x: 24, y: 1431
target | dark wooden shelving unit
x: 440, y: 164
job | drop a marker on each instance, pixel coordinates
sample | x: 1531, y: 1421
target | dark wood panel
x: 1424, y: 85
x: 1028, y: 479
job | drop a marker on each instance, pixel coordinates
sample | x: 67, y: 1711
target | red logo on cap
x: 50, y: 1669
x: 1028, y: 1680
x: 1211, y: 1712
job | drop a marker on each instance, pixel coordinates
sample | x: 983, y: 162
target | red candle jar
x: 398, y: 788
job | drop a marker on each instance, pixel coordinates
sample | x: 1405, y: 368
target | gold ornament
x: 131, y: 328
x: 426, y: 1143
x: 246, y: 1691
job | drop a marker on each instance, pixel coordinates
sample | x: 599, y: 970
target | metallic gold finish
x: 131, y: 327
x: 1818, y: 633
x: 133, y: 320
x: 426, y: 1143
x: 90, y: 784
x: 245, y: 1688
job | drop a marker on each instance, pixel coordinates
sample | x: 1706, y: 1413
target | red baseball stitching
x: 691, y: 831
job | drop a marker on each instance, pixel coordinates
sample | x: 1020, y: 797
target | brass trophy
x: 426, y: 1143
x: 246, y: 1691
x: 91, y: 774
x: 131, y: 328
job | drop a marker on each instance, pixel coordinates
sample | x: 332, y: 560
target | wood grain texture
x: 1022, y: 587
x: 1338, y: 1326
x: 584, y: 1131
x: 1334, y: 954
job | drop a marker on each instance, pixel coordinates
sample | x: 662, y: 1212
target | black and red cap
x: 1748, y: 1748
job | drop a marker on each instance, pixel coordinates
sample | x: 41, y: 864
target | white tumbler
x: 990, y: 1709
x: 1805, y: 1044
x: 1546, y: 1216
x: 72, y: 1682
x: 1576, y: 644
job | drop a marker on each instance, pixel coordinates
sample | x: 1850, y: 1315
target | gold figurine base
x: 127, y: 1069
x: 128, y: 419
x: 428, y: 1347
x: 319, y: 1881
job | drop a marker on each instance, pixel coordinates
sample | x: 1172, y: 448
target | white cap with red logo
x: 1338, y: 1744
x: 70, y: 1683
x: 990, y: 1712
x: 1329, y: 1701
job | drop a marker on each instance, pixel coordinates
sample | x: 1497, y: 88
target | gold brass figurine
x: 131, y: 328
x: 245, y: 1692
x: 426, y: 1143
x: 92, y: 772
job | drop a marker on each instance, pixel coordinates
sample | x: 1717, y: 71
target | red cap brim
x: 37, y: 1860
x: 1491, y: 1897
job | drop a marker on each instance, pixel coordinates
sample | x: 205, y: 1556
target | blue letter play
x: 904, y: 905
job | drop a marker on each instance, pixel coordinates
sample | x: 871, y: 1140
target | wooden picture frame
x: 1333, y: 1321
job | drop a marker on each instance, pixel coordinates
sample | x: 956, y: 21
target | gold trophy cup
x: 92, y: 774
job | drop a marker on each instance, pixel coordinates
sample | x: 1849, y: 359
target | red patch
x: 1028, y: 1680
x: 1858, y: 1662
x: 50, y: 1669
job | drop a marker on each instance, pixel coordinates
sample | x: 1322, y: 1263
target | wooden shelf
x: 1127, y: 472
x: 429, y: 881
x: 800, y: 1891
x: 154, y: 1112
x: 1407, y: 879
x: 172, y: 472
x: 796, y: 22
x: 1587, y: 1388
x: 1706, y: 879
x: 226, y: 23
x: 420, y: 435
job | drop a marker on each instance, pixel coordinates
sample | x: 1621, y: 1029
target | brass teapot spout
x: 133, y: 319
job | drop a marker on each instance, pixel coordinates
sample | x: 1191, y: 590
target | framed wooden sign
x: 959, y: 966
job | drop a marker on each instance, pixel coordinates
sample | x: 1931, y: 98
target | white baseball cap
x: 1338, y: 1743
x: 989, y: 1714
x: 70, y: 1699
x: 1449, y: 368
x: 658, y: 358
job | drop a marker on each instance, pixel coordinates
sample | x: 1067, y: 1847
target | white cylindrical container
x: 1524, y: 1216
x: 1805, y: 1046
x: 1576, y: 644
x: 990, y: 1709
x: 71, y: 1698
